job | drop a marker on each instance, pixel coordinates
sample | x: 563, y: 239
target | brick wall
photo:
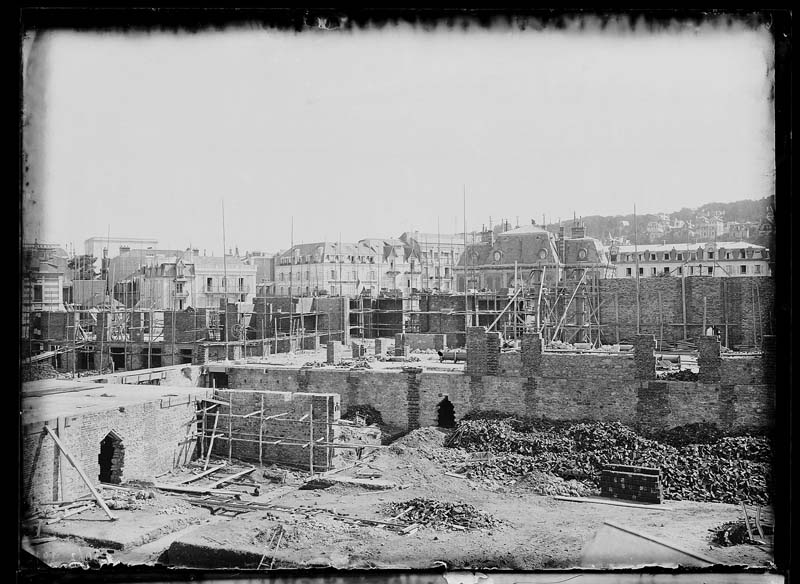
x: 568, y: 386
x: 283, y: 436
x: 741, y: 370
x: 633, y: 483
x: 425, y: 341
x: 154, y: 436
x: 709, y: 361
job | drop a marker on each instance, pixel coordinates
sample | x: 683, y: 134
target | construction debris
x: 441, y: 514
x: 734, y: 533
x: 728, y: 470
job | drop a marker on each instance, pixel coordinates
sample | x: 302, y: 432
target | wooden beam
x: 211, y: 444
x: 83, y: 476
x: 232, y: 477
x: 652, y: 507
x: 202, y: 474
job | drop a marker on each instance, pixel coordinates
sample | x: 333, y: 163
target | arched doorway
x: 111, y: 459
x: 446, y: 414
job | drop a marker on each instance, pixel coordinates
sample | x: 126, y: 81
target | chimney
x: 578, y: 231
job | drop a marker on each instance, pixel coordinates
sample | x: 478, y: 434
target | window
x: 653, y: 271
x: 711, y: 255
x: 355, y: 275
x: 727, y: 255
x: 694, y: 256
x: 666, y: 270
x: 308, y: 274
x: 680, y: 269
x: 641, y: 271
x: 742, y: 254
x: 241, y: 284
x: 178, y: 287
x: 758, y: 268
x: 280, y: 290
x: 447, y: 272
x: 37, y: 292
x: 680, y: 257
x: 691, y: 270
x: 282, y: 276
x: 628, y: 257
x: 666, y: 257
x: 710, y: 270
x: 209, y: 284
x: 652, y: 257
x: 628, y: 271
x: 613, y: 257
x: 743, y: 269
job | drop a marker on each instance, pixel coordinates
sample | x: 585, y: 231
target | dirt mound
x: 422, y: 437
x: 37, y: 371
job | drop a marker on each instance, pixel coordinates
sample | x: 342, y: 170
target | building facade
x: 435, y: 258
x: 188, y: 280
x: 43, y: 282
x: 527, y: 255
x: 720, y: 259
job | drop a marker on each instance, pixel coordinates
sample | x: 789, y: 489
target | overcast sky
x: 369, y: 134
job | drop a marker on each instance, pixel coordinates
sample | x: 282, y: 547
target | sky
x: 326, y: 134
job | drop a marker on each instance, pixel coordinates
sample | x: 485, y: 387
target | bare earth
x: 536, y: 532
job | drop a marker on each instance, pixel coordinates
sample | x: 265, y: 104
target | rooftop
x: 56, y: 398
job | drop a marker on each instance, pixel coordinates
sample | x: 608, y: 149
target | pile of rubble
x: 733, y: 533
x: 36, y: 371
x: 728, y: 470
x: 682, y: 375
x: 441, y: 514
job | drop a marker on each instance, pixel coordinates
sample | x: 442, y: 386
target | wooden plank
x: 72, y: 512
x: 194, y: 490
x: 652, y: 506
x: 202, y: 474
x: 83, y: 476
x: 232, y: 477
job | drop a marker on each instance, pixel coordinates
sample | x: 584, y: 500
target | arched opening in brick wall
x: 446, y: 414
x: 111, y: 459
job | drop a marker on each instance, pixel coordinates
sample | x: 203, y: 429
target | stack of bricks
x: 644, y: 356
x: 632, y: 483
x: 531, y: 354
x: 476, y: 351
x: 117, y: 460
x: 768, y: 348
x: 358, y: 350
x: 335, y: 350
x: 492, y: 353
x: 708, y: 360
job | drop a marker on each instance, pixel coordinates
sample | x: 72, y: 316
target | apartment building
x: 438, y: 255
x: 188, y: 280
x: 43, y: 282
x: 720, y: 259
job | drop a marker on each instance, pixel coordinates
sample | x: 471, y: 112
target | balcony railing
x: 230, y: 289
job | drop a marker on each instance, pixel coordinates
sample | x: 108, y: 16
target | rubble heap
x: 441, y: 514
x: 728, y: 470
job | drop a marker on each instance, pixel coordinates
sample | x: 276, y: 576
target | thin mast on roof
x: 466, y: 257
x: 225, y: 279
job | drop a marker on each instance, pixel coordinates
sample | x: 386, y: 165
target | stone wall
x: 598, y: 388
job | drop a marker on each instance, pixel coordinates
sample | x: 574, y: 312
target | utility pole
x: 225, y: 279
x: 466, y: 257
x: 636, y: 256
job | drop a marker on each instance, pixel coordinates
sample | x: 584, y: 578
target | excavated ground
x: 534, y: 531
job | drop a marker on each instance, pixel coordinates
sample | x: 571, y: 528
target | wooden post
x: 616, y: 313
x: 230, y: 426
x: 213, y: 436
x: 725, y: 308
x: 683, y: 297
x: 83, y: 476
x: 203, y: 435
x: 661, y: 322
x: 311, y: 437
x: 705, y: 306
x: 261, y: 432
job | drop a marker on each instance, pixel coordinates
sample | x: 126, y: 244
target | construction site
x: 581, y: 422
